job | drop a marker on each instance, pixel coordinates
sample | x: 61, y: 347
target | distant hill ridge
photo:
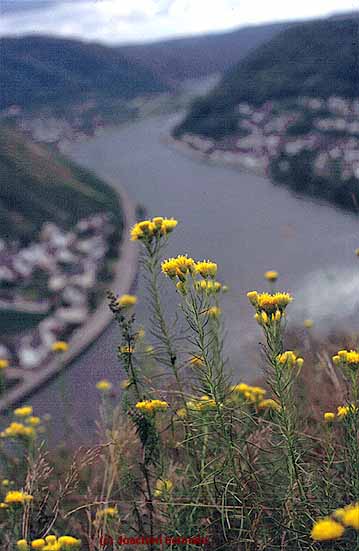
x: 317, y: 58
x: 198, y: 56
x: 40, y: 70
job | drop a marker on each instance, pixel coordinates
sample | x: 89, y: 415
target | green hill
x: 37, y: 185
x: 43, y: 71
x: 319, y: 58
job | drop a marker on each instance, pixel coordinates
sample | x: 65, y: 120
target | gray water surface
x: 241, y: 221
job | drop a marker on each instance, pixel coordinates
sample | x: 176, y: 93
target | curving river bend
x: 241, y: 221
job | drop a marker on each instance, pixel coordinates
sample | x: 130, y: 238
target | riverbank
x: 123, y: 282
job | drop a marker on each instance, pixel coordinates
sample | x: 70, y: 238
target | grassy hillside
x: 36, y: 186
x: 319, y: 58
x: 198, y: 56
x: 42, y: 71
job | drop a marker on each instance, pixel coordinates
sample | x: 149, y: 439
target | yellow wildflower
x: 268, y: 302
x: 23, y: 411
x: 38, y: 544
x: 59, y: 346
x: 308, y: 324
x: 206, y: 268
x: 51, y: 539
x: 214, y: 312
x: 343, y: 411
x: 327, y: 529
x: 329, y: 417
x: 107, y: 512
x: 290, y: 359
x: 68, y: 542
x: 209, y: 286
x: 271, y: 275
x: 16, y: 496
x: 269, y: 404
x: 348, y: 358
x: 169, y: 267
x: 126, y: 301
x: 277, y: 316
x: 3, y: 506
x: 184, y: 264
x: 181, y: 412
x: 126, y: 349
x: 197, y: 361
x: 3, y: 363
x: 18, y: 429
x: 178, y: 267
x: 33, y: 420
x: 162, y: 487
x: 350, y: 516
x: 22, y: 545
x: 5, y: 482
x: 168, y: 225
x: 241, y: 387
x: 103, y: 385
x: 264, y: 318
x: 357, y: 252
x: 148, y: 406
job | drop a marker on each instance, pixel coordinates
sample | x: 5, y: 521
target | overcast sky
x: 118, y: 21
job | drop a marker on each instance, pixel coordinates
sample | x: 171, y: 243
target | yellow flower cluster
x: 269, y: 303
x: 206, y: 268
x: 264, y: 319
x: 103, y: 385
x: 308, y: 324
x: 347, y: 359
x: 214, y: 312
x: 17, y: 497
x: 3, y: 363
x: 59, y: 346
x: 126, y: 349
x: 349, y: 515
x: 178, y: 267
x: 271, y: 275
x: 250, y: 393
x: 269, y: 404
x: 50, y: 543
x: 163, y: 487
x: 18, y: 429
x: 24, y: 411
x: 26, y: 428
x: 290, y: 359
x: 107, y: 512
x: 181, y: 266
x: 329, y: 528
x: 343, y: 411
x: 329, y: 416
x: 203, y: 403
x: 150, y: 406
x: 126, y: 301
x: 157, y: 227
x: 209, y: 286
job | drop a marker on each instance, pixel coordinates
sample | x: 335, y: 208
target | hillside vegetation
x: 40, y: 70
x: 37, y: 185
x: 319, y: 58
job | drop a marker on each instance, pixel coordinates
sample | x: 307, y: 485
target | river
x: 241, y: 221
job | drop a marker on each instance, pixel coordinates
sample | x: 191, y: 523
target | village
x: 56, y: 278
x: 264, y: 133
